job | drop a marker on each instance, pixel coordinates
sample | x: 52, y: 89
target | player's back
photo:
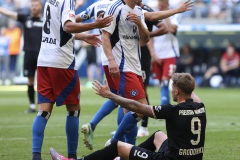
x: 57, y: 45
x: 186, y: 126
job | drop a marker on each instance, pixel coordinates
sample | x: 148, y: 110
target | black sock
x: 31, y: 94
x: 109, y: 152
x: 144, y: 121
x: 149, y: 144
x: 36, y: 156
x: 72, y: 156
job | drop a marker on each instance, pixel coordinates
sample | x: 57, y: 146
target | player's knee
x: 165, y: 83
x: 73, y: 113
x: 159, y: 137
x: 44, y: 114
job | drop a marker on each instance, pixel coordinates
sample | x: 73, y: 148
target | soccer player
x: 185, y: 125
x: 58, y: 81
x: 32, y: 25
x: 166, y: 51
x: 92, y: 12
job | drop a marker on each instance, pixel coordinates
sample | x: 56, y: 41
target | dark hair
x: 184, y: 81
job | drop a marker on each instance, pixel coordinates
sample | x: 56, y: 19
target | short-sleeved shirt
x: 125, y: 36
x: 92, y: 12
x: 185, y: 124
x: 230, y: 60
x: 166, y: 46
x: 57, y: 45
x: 32, y: 27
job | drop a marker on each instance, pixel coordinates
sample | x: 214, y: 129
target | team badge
x: 134, y: 93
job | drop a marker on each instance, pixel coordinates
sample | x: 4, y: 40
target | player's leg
x: 105, y: 109
x: 29, y: 68
x: 169, y: 67
x: 46, y: 101
x: 67, y: 92
x: 133, y: 89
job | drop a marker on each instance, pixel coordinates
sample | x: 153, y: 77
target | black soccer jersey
x: 32, y: 32
x: 185, y: 124
x: 145, y: 56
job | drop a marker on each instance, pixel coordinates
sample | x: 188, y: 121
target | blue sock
x: 120, y: 115
x: 127, y: 124
x: 105, y: 109
x: 164, y: 93
x: 38, y: 128
x: 72, y: 127
x: 131, y: 136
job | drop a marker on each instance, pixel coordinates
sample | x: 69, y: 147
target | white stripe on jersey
x: 57, y: 45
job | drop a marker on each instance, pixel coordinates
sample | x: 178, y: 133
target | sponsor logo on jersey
x: 190, y: 152
x: 158, y: 108
x: 49, y: 40
x: 134, y: 93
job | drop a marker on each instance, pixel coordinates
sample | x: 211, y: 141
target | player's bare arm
x: 107, y: 48
x: 8, y: 13
x: 171, y: 27
x: 144, y: 33
x: 72, y: 27
x: 89, y: 38
x: 132, y: 105
x: 195, y: 98
x: 161, y: 30
x: 154, y: 16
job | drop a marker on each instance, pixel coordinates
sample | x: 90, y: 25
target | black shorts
x: 30, y: 64
x: 138, y: 153
x: 145, y: 64
x: 91, y: 55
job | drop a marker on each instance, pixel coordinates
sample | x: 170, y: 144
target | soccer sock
x: 31, y: 94
x: 164, y: 92
x: 128, y: 122
x: 38, y: 128
x: 149, y: 143
x: 120, y: 115
x: 131, y: 136
x: 72, y: 126
x: 105, y: 109
x: 144, y: 121
x: 109, y: 152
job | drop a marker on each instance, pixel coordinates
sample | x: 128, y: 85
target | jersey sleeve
x: 143, y: 19
x: 67, y: 12
x: 110, y: 29
x: 88, y: 13
x: 21, y: 17
x: 162, y: 112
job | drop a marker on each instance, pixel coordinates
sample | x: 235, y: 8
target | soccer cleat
x: 30, y: 110
x: 56, y: 156
x: 87, y: 135
x: 143, y: 131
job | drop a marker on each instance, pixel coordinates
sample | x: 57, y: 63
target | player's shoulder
x: 147, y: 8
x: 115, y: 6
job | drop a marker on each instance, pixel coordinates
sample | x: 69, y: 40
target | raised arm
x: 154, y: 16
x: 129, y: 104
x: 195, y: 98
x: 10, y: 14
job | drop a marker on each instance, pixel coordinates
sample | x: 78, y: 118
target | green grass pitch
x: 222, y: 135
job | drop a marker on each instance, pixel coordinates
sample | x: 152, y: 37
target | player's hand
x: 134, y: 18
x: 93, y: 39
x: 156, y: 59
x: 103, y: 22
x: 185, y: 6
x: 102, y: 90
x: 113, y: 69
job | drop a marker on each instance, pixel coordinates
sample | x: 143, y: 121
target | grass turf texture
x: 222, y: 135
